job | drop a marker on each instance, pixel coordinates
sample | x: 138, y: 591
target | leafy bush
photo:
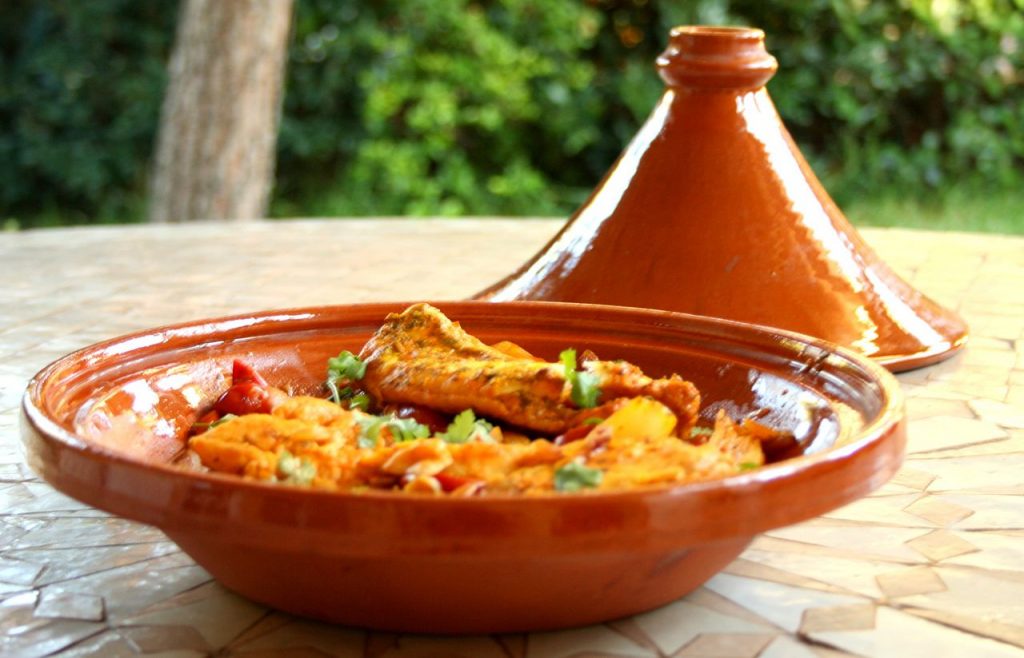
x: 457, y: 107
x: 909, y: 95
x: 508, y: 106
x: 80, y: 96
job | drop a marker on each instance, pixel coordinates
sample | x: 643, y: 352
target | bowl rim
x: 891, y: 412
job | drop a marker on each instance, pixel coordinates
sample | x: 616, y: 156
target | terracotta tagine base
x: 712, y: 210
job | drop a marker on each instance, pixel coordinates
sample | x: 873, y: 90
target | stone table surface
x: 932, y: 564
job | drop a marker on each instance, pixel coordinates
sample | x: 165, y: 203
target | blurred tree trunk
x: 218, y: 126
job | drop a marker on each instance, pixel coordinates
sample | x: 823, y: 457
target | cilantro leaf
x: 467, y: 427
x: 359, y: 401
x: 575, y: 476
x: 585, y: 385
x: 401, y: 429
x: 406, y: 429
x: 347, y: 397
x: 369, y: 431
x: 568, y: 359
x: 586, y: 390
x: 344, y: 367
x: 337, y: 395
x: 295, y: 470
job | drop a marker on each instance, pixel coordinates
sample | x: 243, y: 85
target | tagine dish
x: 359, y: 464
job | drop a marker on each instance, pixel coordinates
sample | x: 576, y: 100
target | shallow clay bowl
x: 106, y: 425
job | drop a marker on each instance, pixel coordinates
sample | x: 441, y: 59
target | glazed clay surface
x: 712, y: 210
x: 107, y: 425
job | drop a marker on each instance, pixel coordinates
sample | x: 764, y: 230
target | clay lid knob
x: 716, y: 57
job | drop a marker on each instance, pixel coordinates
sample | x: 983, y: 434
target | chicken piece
x: 421, y: 357
x: 739, y: 441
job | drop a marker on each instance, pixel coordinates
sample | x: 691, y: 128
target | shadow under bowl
x: 107, y: 425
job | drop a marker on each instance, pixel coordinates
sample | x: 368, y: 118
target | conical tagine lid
x: 712, y: 210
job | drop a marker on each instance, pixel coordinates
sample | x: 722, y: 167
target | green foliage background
x: 513, y: 107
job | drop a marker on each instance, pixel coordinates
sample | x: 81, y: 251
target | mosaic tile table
x: 930, y: 565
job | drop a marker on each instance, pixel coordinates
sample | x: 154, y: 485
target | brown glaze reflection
x: 712, y: 210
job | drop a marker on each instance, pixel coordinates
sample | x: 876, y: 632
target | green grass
x: 960, y: 209
x: 955, y: 210
x: 128, y: 210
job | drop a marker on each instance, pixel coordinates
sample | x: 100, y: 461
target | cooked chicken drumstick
x: 421, y: 357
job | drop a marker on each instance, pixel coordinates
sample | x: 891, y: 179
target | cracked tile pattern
x: 930, y: 564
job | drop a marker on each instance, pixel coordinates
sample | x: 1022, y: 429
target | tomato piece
x: 245, y: 398
x: 243, y: 372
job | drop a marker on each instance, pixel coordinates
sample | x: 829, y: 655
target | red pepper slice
x: 450, y: 483
x: 573, y: 434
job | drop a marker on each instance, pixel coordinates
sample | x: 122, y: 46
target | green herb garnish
x: 359, y: 401
x: 348, y: 397
x: 295, y: 470
x: 401, y: 429
x: 575, y: 476
x: 406, y: 429
x: 220, y: 421
x: 748, y: 466
x: 344, y: 367
x: 593, y: 420
x: 369, y: 431
x: 585, y: 385
x: 700, y: 431
x: 337, y: 395
x: 467, y: 427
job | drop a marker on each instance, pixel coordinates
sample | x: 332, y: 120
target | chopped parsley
x: 467, y: 427
x: 585, y: 388
x: 575, y: 476
x: 295, y: 470
x: 401, y: 429
x: 701, y: 431
x: 344, y: 367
